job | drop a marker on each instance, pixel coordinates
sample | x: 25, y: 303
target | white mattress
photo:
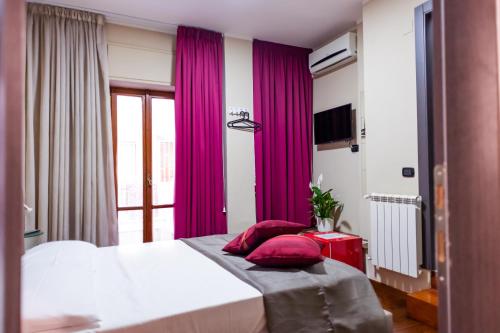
x: 169, y: 287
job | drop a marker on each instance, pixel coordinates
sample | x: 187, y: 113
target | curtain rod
x: 120, y: 19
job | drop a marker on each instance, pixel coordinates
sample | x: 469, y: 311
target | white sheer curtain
x: 69, y: 153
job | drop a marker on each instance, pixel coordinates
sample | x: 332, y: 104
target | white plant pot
x: 324, y: 225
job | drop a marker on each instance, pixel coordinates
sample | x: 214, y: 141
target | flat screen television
x: 333, y: 125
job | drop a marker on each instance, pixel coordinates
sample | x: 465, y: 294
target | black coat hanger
x: 244, y: 123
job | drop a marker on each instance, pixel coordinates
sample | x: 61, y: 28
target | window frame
x: 147, y: 161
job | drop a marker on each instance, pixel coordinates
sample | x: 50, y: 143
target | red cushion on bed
x: 287, y: 251
x: 260, y: 232
x: 234, y: 246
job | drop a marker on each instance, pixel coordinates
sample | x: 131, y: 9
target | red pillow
x: 260, y: 232
x: 287, y: 251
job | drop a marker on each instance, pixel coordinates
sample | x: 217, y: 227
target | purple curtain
x: 199, y: 182
x: 282, y: 86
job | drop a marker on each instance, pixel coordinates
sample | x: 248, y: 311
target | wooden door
x: 467, y: 151
x: 12, y: 36
x: 144, y: 150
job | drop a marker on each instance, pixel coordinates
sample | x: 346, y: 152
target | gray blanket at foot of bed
x: 326, y: 297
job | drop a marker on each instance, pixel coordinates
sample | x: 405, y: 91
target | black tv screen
x: 333, y: 125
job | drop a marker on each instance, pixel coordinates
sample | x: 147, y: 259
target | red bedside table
x: 342, y: 247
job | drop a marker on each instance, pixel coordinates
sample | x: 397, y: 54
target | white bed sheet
x: 170, y: 287
x: 58, y: 286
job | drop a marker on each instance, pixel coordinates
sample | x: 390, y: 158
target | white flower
x: 320, y: 180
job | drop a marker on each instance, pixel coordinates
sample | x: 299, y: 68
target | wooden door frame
x: 425, y: 131
x: 12, y: 62
x: 147, y: 207
x: 467, y: 150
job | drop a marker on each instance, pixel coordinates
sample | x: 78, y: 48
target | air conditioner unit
x: 340, y: 51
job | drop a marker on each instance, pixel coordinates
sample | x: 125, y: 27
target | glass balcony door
x: 144, y: 149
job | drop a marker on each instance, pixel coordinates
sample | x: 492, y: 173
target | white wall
x: 390, y: 95
x: 364, y: 205
x: 240, y: 161
x: 391, y: 109
x: 140, y: 57
x: 341, y: 168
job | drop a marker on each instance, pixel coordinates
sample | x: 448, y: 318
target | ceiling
x: 307, y: 23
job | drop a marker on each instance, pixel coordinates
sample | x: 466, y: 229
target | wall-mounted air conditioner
x: 334, y: 54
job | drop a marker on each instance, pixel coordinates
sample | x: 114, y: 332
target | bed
x: 189, y: 286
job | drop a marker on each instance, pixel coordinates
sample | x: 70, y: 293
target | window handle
x: 149, y: 180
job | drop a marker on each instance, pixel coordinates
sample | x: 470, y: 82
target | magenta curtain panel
x: 199, y: 182
x: 282, y: 92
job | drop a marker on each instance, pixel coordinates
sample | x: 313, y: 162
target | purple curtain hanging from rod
x: 199, y: 182
x: 283, y: 148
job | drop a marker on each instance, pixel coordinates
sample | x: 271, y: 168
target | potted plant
x: 326, y: 208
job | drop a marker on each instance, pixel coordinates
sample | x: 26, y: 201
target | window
x: 144, y: 148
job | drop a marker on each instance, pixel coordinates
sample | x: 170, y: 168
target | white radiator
x: 396, y: 232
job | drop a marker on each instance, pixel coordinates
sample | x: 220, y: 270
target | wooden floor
x: 394, y: 301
